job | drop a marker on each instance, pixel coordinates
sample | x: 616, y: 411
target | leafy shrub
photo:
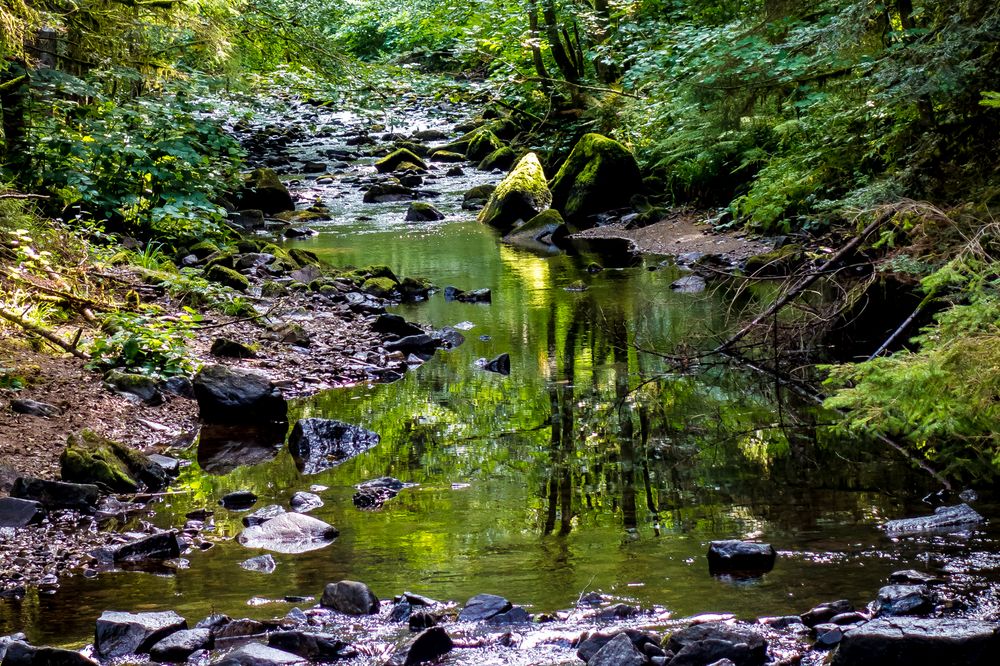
x: 145, y: 344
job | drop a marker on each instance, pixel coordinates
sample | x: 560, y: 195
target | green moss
x: 380, y: 271
x: 90, y: 458
x: 304, y: 257
x: 535, y: 234
x: 379, y: 286
x: 227, y: 277
x: 600, y: 174
x: 447, y: 156
x: 225, y: 259
x: 479, y: 193
x: 248, y: 245
x: 413, y: 287
x: 414, y: 147
x: 502, y: 158
x: 482, y: 143
x: 203, y: 249
x: 522, y: 195
x: 392, y: 161
x: 272, y: 289
x: 781, y: 261
x: 299, y: 216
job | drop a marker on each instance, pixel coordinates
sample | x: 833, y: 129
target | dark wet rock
x: 448, y: 337
x: 595, y: 642
x: 34, y: 408
x: 430, y: 135
x: 19, y: 653
x: 136, y: 387
x: 264, y: 191
x: 179, y: 386
x: 227, y: 395
x: 180, y: 645
x: 252, y: 260
x: 500, y: 364
x: 5, y: 641
x: 600, y: 174
x: 255, y: 654
x: 827, y: 634
x: 373, y: 494
x: 618, y: 612
x: 299, y: 232
x: 782, y: 622
x: 90, y: 458
x: 944, y: 520
x: 421, y: 343
x: 318, y: 444
x: 393, y: 324
x: 213, y: 621
x: 502, y: 158
x: 476, y: 197
x: 57, y: 494
x: 447, y: 156
x: 520, y: 196
x: 315, y: 647
x: 304, y: 502
x: 914, y: 577
x: 429, y: 646
x: 731, y: 556
x: 226, y: 348
x: 920, y: 642
x: 289, y: 533
x: 690, y: 284
x: 472, y: 296
x: 705, y: 643
x: 544, y: 232
x: 826, y: 611
x: 388, y: 192
x: 170, y: 466
x: 483, y: 607
x: 242, y: 628
x: 261, y: 564
x: 350, y: 597
x: 853, y: 617
x: 119, y: 634
x: 250, y: 219
x: 401, y: 611
x: 153, y: 548
x: 516, y: 615
x: 421, y: 620
x: 238, y: 500
x: 619, y: 651
x: 262, y: 515
x: 420, y: 211
x: 363, y: 303
x: 903, y: 600
x: 313, y: 167
x: 16, y: 512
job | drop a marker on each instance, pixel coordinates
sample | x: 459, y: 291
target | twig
x: 18, y: 195
x: 48, y: 335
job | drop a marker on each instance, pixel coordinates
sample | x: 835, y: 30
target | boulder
x: 689, y: 284
x: 119, y: 634
x: 34, y: 408
x: 600, y: 174
x: 502, y: 158
x: 227, y: 395
x: 238, y: 500
x: 826, y: 611
x: 706, y: 643
x: 447, y: 156
x: 903, y: 600
x: 227, y: 277
x: 318, y: 444
x: 920, y: 642
x: 421, y: 343
x: 590, y: 646
x: 619, y: 651
x: 429, y: 646
x: 153, y: 548
x: 57, y: 494
x: 380, y: 287
x: 945, y: 519
x: 256, y: 654
x: 733, y: 556
x: 543, y: 232
x: 16, y: 512
x: 226, y: 348
x: 180, y: 645
x: 289, y: 533
x: 314, y: 647
x: 91, y: 458
x: 499, y: 365
x: 19, y: 653
x: 420, y: 211
x: 393, y: 324
x: 393, y: 160
x: 264, y: 191
x: 515, y: 615
x: 388, y: 192
x: 483, y: 607
x: 262, y: 515
x: 170, y: 466
x: 133, y: 386
x: 350, y: 597
x: 476, y: 197
x: 482, y: 295
x: 304, y: 502
x: 520, y: 196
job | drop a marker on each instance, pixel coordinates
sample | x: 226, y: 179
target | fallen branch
x: 47, y: 335
x: 18, y: 195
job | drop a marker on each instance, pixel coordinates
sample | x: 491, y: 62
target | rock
x: 57, y: 494
x: 448, y: 338
x: 483, y: 607
x: 228, y: 395
x: 826, y: 611
x: 19, y: 653
x: 119, y: 634
x: 380, y: 287
x: 238, y: 500
x: 515, y: 615
x: 264, y: 191
x: 224, y: 447
x: 170, y: 466
x: 388, y: 192
x: 400, y: 612
x: 446, y: 156
x: 520, y: 196
x: 502, y: 158
x: 430, y: 135
x: 16, y: 512
x: 314, y: 647
x: 203, y: 249
x: 423, y: 212
x: 476, y: 197
x: 179, y: 386
x: 914, y: 577
x: 740, y: 557
x: 255, y: 654
x: 903, y: 600
x: 853, y: 617
x: 599, y: 174
x: 92, y: 459
x: 373, y: 494
x: 543, y: 232
x: 500, y: 364
x: 589, y: 647
x: 396, y: 158
x: 180, y: 645
x: 827, y: 634
x: 619, y: 651
x: 242, y: 628
x: 304, y: 502
x: 261, y: 564
x: 248, y: 220
x: 262, y: 515
x: 289, y: 533
x: 422, y: 343
x: 300, y: 232
x: 472, y: 296
x: 350, y: 597
x: 227, y: 277
x: 478, y: 144
x: 253, y: 260
x: 393, y: 324
x: 421, y: 620
x: 318, y: 444
x: 429, y: 646
x: 577, y: 286
x: 153, y: 548
x: 133, y: 386
x: 34, y: 408
x: 945, y: 519
x: 705, y: 643
x: 226, y: 348
x: 690, y: 284
x: 920, y: 642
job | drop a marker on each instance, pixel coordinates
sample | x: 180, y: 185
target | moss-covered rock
x: 539, y: 233
x: 380, y: 287
x: 272, y: 289
x: 387, y: 192
x: 91, y: 458
x: 227, y: 277
x: 299, y: 216
x: 249, y: 245
x: 304, y: 257
x: 781, y: 261
x: 203, y: 249
x: 414, y: 147
x: 476, y: 197
x: 600, y: 174
x: 393, y: 160
x: 225, y: 259
x: 482, y: 144
x: 421, y: 211
x: 415, y: 288
x: 502, y: 158
x: 522, y: 195
x: 264, y: 191
x: 447, y: 156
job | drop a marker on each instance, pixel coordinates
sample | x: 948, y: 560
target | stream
x: 573, y: 474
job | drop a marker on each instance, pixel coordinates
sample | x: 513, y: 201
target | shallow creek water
x: 572, y: 474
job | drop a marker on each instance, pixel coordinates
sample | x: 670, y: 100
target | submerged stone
x: 289, y: 533
x: 317, y: 444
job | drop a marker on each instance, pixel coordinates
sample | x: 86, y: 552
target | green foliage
x: 146, y: 344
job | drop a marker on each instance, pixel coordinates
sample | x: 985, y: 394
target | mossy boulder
x: 414, y: 147
x: 520, y: 196
x: 482, y: 144
x: 502, y: 158
x: 421, y: 211
x: 227, y: 277
x: 304, y: 257
x: 447, y: 156
x: 541, y: 232
x: 379, y: 287
x: 203, y: 249
x: 476, y: 197
x: 246, y: 245
x: 600, y: 174
x: 781, y: 261
x: 300, y: 216
x: 91, y: 458
x: 226, y: 259
x: 272, y: 289
x: 396, y: 158
x: 415, y: 288
x: 263, y: 190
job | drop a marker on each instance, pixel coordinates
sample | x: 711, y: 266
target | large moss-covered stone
x: 501, y: 158
x: 522, y: 195
x: 393, y: 160
x: 600, y: 174
x: 475, y: 145
x: 91, y: 458
x: 228, y: 277
x: 264, y: 191
x: 542, y: 232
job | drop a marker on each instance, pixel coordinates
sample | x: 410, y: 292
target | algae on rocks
x: 264, y: 191
x: 520, y: 196
x: 91, y: 458
x: 396, y: 158
x: 600, y: 174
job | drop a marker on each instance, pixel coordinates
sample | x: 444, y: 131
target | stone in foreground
x: 256, y: 654
x: 732, y: 556
x: 483, y: 607
x: 20, y: 512
x: 712, y: 641
x: 119, y: 634
x: 429, y: 646
x: 312, y: 646
x: 177, y: 647
x: 619, y: 651
x: 920, y: 642
x: 19, y: 653
x: 350, y: 597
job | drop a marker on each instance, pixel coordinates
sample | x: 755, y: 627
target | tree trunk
x: 536, y: 51
x: 560, y: 52
x: 14, y: 157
